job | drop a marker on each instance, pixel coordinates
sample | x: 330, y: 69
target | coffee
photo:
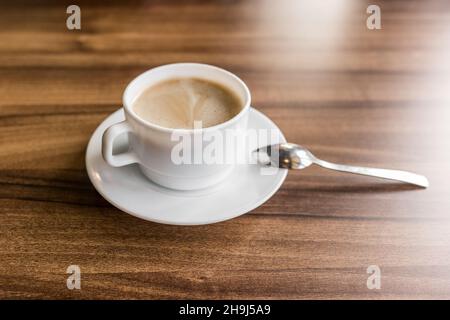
x: 177, y: 103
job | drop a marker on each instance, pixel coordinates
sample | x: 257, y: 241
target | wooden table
x: 350, y: 94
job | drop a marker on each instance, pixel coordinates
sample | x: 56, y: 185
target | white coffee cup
x: 151, y: 145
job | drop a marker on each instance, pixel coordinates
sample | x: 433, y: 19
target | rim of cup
x: 246, y: 102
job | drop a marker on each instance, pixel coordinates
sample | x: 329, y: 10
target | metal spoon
x: 293, y: 156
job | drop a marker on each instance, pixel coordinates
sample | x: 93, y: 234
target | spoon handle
x: 398, y: 175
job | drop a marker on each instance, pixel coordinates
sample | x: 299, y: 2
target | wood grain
x: 378, y: 98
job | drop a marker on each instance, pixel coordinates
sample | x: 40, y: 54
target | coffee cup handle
x: 110, y: 134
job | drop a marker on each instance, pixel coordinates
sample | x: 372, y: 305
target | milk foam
x: 177, y: 103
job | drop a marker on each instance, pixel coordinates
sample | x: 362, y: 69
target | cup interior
x: 185, y: 70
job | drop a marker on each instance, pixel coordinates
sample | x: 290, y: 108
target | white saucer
x: 127, y: 189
